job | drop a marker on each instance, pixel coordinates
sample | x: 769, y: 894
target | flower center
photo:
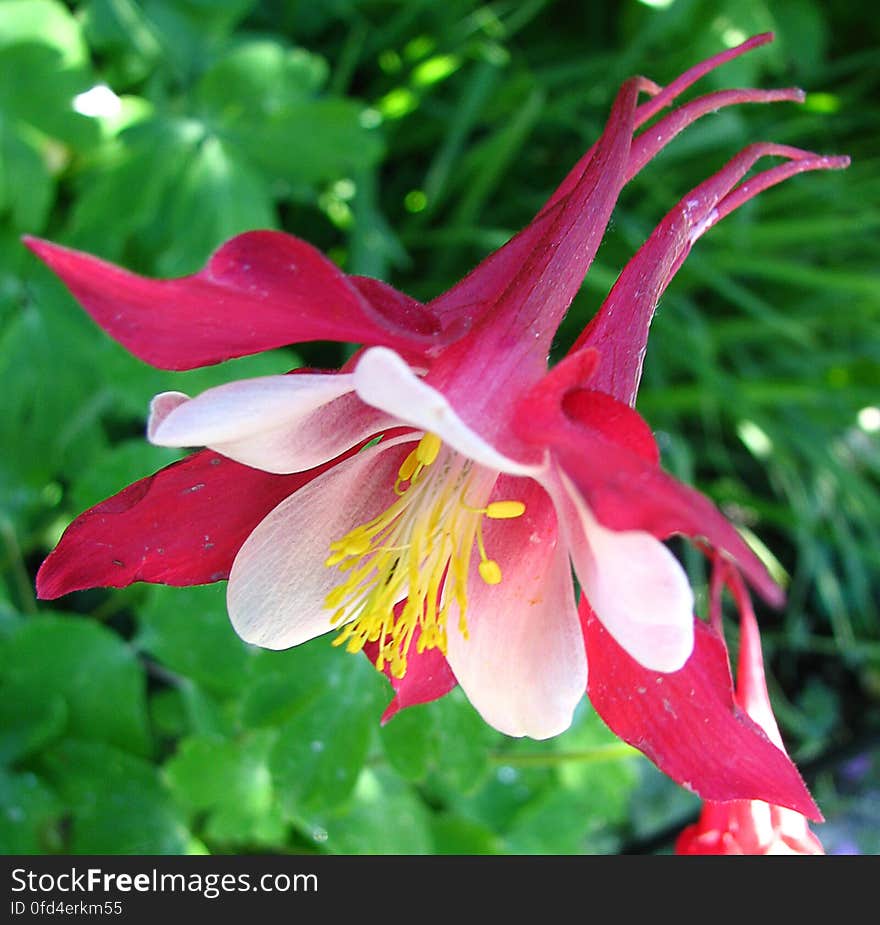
x: 406, y: 567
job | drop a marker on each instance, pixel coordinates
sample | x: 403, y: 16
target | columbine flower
x: 428, y: 500
x: 748, y: 826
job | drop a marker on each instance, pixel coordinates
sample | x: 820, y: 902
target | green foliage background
x: 407, y: 139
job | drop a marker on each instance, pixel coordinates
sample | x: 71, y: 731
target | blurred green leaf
x: 804, y: 35
x: 119, y: 30
x: 176, y: 187
x: 259, y: 78
x: 43, y: 22
x: 176, y: 37
x: 312, y: 141
x: 455, y: 835
x: 409, y: 742
x: 42, y: 61
x: 262, y: 99
x: 658, y: 804
x: 325, y: 704
x: 26, y: 187
x: 117, y: 802
x: 383, y: 817
x: 446, y: 741
x: 463, y: 740
x: 89, y: 668
x: 218, y: 196
x: 27, y: 727
x: 565, y: 795
x: 188, y: 631
x: 230, y: 782
x: 29, y: 814
x: 587, y: 808
x: 51, y: 414
x: 37, y: 98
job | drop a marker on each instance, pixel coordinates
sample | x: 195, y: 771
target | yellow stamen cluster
x: 406, y: 567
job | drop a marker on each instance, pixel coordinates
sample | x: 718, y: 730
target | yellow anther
x: 357, y: 544
x: 490, y: 571
x: 408, y: 466
x: 404, y: 573
x: 505, y: 510
x: 398, y: 666
x: 428, y: 448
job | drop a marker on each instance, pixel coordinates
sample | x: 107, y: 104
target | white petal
x: 384, y: 380
x: 274, y: 423
x: 634, y: 584
x: 279, y: 581
x: 160, y: 407
x: 523, y: 665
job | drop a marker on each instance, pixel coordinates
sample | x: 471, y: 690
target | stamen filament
x: 405, y: 568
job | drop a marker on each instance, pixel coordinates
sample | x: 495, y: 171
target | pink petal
x: 626, y: 494
x: 386, y: 382
x: 688, y: 723
x: 522, y: 665
x: 275, y: 423
x: 279, y: 580
x: 181, y: 526
x: 634, y: 584
x: 621, y: 486
x: 260, y: 290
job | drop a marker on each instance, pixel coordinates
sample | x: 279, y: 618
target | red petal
x: 647, y: 145
x: 751, y: 684
x: 688, y: 723
x: 714, y: 832
x: 396, y: 306
x: 181, y: 526
x: 531, y: 280
x: 614, y: 421
x: 620, y: 328
x: 582, y: 190
x: 657, y: 103
x: 260, y: 290
x: 564, y: 389
x: 747, y: 827
x: 428, y: 677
